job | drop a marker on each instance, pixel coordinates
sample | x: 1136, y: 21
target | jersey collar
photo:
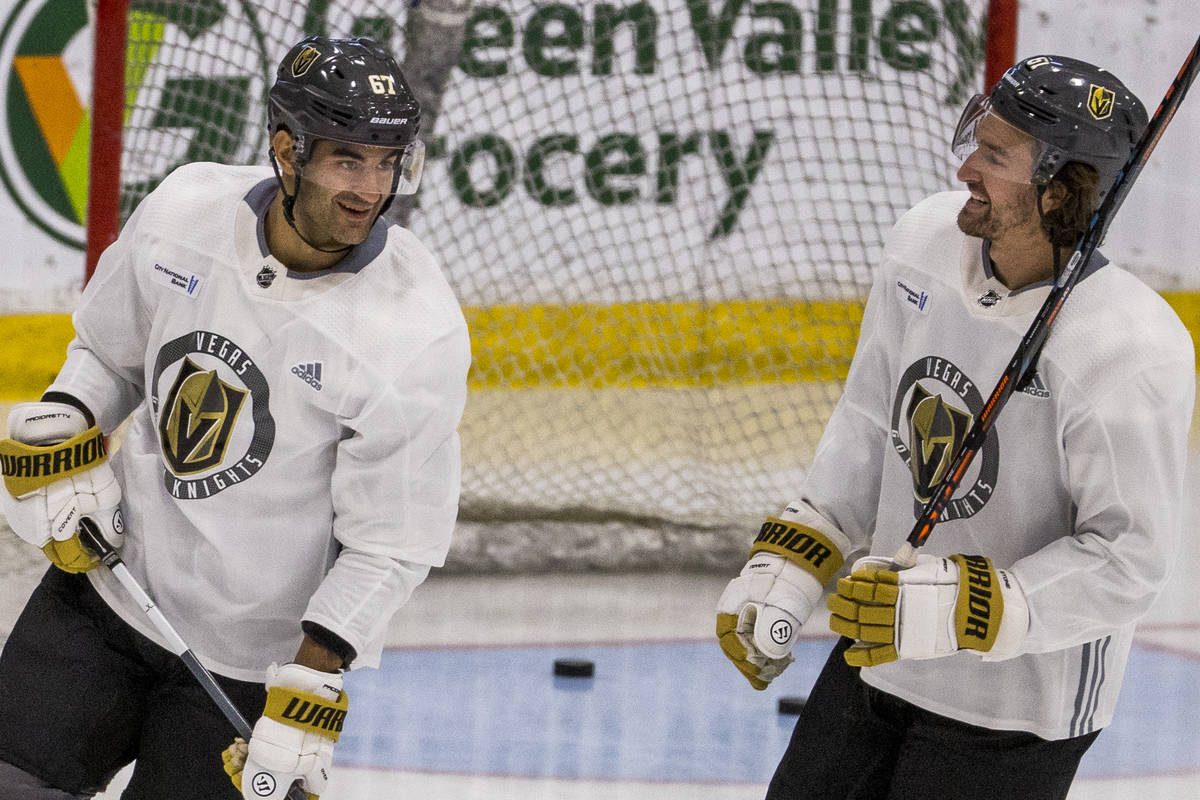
x: 1094, y: 262
x: 259, y: 199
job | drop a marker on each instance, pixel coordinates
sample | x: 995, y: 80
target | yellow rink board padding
x: 661, y: 343
x: 32, y: 348
x: 625, y: 345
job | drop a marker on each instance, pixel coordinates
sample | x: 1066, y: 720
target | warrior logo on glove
x: 27, y: 468
x: 263, y: 784
x: 781, y: 632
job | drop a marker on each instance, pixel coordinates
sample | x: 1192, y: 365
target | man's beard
x: 318, y: 224
x: 993, y: 221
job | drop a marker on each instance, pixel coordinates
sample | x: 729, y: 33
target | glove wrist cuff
x: 28, y: 468
x: 307, y: 712
x: 1014, y: 626
x: 990, y: 615
x: 804, y: 546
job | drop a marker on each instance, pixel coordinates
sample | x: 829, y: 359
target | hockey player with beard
x: 293, y: 369
x: 988, y: 668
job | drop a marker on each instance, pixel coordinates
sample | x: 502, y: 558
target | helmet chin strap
x: 289, y: 204
x: 1031, y: 373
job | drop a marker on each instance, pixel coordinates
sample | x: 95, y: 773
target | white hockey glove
x: 761, y: 611
x: 56, y: 471
x: 941, y: 605
x: 293, y: 740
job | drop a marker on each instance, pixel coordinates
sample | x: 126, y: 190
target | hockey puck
x: 791, y: 705
x: 574, y: 668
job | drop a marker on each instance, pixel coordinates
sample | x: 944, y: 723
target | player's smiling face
x: 343, y: 188
x: 1003, y: 200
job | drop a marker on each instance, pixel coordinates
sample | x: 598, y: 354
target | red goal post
x: 108, y: 122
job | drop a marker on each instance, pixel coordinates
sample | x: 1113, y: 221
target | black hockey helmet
x: 350, y: 90
x: 1075, y: 110
x: 344, y: 90
x: 347, y: 90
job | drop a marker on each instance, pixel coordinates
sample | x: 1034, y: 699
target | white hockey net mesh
x: 661, y: 218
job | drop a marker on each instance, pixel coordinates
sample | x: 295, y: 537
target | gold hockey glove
x: 762, y: 610
x: 941, y: 605
x: 56, y: 471
x: 293, y: 740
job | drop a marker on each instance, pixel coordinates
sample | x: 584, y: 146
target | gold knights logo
x: 214, y: 423
x: 304, y: 60
x: 933, y: 409
x: 200, y: 412
x: 936, y: 431
x: 1100, y: 101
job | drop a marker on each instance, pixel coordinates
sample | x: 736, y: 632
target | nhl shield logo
x: 304, y: 60
x: 1100, y: 101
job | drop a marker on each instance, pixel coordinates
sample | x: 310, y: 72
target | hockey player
x: 294, y: 370
x: 989, y: 668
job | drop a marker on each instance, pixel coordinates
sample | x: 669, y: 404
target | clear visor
x: 995, y: 147
x: 365, y: 171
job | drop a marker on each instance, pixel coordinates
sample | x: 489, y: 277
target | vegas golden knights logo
x: 1100, y: 101
x: 303, y: 60
x: 936, y: 430
x: 197, y: 418
x: 932, y: 411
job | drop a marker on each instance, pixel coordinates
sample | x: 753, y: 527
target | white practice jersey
x: 293, y: 451
x: 1078, y: 487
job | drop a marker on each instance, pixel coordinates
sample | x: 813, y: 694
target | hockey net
x: 660, y: 217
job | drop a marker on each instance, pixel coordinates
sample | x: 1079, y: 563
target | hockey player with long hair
x: 988, y: 668
x: 293, y: 369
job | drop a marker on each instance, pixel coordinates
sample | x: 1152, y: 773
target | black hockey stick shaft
x: 90, y: 535
x: 1031, y: 343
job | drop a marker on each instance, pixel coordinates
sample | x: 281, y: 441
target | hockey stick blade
x: 1031, y: 343
x: 91, y: 537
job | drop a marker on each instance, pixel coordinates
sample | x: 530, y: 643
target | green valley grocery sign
x: 635, y: 156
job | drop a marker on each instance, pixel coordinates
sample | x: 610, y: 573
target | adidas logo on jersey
x: 309, y: 373
x: 1032, y: 384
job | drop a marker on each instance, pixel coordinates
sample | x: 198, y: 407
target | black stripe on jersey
x: 1091, y: 678
x: 1085, y: 654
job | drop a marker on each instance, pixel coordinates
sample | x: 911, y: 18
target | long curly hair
x: 1066, y: 224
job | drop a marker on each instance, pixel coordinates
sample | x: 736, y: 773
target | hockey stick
x: 1031, y: 343
x: 90, y: 535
